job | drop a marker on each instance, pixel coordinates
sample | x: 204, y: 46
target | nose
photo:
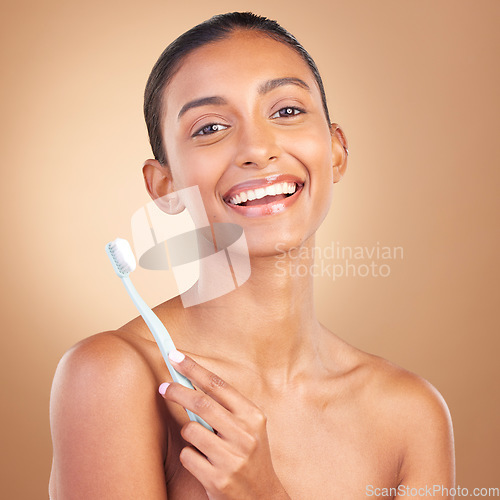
x: 257, y: 145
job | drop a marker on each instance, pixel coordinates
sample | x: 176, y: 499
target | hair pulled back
x: 214, y: 29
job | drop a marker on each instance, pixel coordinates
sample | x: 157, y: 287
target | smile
x: 246, y: 197
x: 264, y: 196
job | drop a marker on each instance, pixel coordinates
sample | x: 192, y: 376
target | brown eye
x: 287, y: 112
x: 210, y: 129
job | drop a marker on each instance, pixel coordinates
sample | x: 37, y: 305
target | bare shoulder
x: 106, y: 419
x: 100, y: 367
x: 406, y: 394
x: 418, y: 417
x: 103, y: 354
x: 396, y: 394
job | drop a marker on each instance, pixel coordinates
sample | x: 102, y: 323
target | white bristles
x: 121, y: 255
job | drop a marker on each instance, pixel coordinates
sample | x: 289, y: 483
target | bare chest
x: 336, y: 452
x: 332, y: 453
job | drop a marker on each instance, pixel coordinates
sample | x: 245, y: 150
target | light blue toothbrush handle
x: 163, y: 340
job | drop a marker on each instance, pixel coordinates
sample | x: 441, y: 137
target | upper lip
x: 261, y: 183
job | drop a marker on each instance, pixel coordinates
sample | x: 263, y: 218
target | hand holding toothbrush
x: 235, y: 463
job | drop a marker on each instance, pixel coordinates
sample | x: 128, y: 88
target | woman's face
x: 243, y: 118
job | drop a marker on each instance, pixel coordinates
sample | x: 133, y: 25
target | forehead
x: 226, y: 67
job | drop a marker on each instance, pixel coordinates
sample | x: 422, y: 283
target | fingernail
x: 163, y: 388
x: 175, y: 356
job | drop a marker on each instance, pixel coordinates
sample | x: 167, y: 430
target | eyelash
x: 210, y: 127
x: 295, y: 111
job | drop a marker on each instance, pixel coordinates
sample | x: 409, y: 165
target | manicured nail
x: 176, y: 356
x: 163, y: 388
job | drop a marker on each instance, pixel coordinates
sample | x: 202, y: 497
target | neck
x: 268, y: 324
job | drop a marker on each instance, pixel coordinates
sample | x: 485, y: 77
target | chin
x: 274, y: 243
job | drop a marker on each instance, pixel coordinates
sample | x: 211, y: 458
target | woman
x: 236, y: 105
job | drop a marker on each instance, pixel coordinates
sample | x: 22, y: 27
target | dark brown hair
x: 212, y: 30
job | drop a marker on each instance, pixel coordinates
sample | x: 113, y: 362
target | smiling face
x: 243, y: 120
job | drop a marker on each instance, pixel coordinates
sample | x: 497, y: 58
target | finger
x: 203, y: 405
x: 198, y: 465
x: 213, y: 447
x: 211, y: 384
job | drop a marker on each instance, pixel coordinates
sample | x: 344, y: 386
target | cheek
x: 193, y: 166
x: 198, y: 167
x: 313, y: 148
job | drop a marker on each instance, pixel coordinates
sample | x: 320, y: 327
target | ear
x: 339, y: 152
x: 160, y: 186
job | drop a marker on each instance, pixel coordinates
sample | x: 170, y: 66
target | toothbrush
x: 123, y: 260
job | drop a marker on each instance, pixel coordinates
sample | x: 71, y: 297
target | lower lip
x: 269, y: 208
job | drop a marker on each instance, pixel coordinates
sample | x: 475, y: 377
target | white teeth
x: 270, y: 190
x: 258, y: 193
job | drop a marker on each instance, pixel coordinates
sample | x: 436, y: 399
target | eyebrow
x: 263, y: 89
x: 203, y: 101
x: 279, y: 82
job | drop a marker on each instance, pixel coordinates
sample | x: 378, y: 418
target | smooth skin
x: 298, y: 412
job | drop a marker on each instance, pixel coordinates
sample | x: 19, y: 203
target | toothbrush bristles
x: 122, y: 255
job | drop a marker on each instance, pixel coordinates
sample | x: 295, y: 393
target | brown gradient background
x: 415, y: 86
